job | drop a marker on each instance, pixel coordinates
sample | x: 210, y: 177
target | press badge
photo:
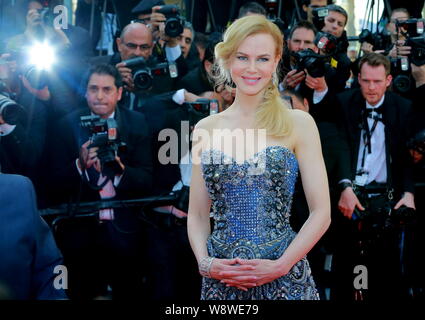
x: 361, y: 180
x: 172, y: 67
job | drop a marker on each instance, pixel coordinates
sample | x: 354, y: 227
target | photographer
x: 397, y: 39
x: 315, y: 89
x: 309, y: 5
x: 189, y: 51
x: 335, y: 23
x: 37, y: 30
x: 136, y: 42
x: 395, y: 48
x: 374, y: 188
x: 167, y: 27
x: 319, y: 95
x: 91, y: 169
x: 402, y: 51
x: 23, y: 123
x: 251, y: 8
x: 61, y: 50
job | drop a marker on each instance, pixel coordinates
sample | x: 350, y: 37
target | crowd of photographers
x: 92, y: 127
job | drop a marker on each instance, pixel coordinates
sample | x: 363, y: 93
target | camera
x: 27, y: 63
x: 10, y: 111
x: 417, y: 142
x: 401, y: 71
x: 326, y: 42
x: 377, y: 40
x: 174, y: 23
x: 271, y: 9
x: 413, y: 30
x: 145, y: 70
x: 105, y: 137
x: 411, y: 27
x: 379, y: 208
x: 314, y: 63
x: 203, y: 106
x: 417, y: 54
x: 319, y: 15
x: 37, y: 78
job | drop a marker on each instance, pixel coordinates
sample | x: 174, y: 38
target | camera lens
x: 37, y: 78
x: 307, y: 59
x: 173, y: 28
x: 402, y: 83
x: 142, y: 79
x: 10, y: 111
x: 315, y: 67
x: 418, y: 56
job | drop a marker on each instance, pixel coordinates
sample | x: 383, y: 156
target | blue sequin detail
x: 251, y: 203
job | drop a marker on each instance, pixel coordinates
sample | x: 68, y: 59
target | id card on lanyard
x: 362, y: 175
x: 361, y: 179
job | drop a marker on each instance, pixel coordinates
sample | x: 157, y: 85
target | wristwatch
x: 344, y: 185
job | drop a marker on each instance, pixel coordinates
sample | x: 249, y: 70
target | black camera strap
x: 93, y: 178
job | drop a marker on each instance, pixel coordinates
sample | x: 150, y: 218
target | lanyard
x: 367, y: 138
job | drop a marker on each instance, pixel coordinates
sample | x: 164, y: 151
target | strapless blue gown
x: 251, y: 204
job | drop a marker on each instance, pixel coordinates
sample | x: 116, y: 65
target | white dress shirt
x: 375, y: 162
x: 6, y: 129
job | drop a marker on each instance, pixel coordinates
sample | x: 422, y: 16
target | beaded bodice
x: 251, y: 201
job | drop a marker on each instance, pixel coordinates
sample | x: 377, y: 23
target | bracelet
x: 205, y: 266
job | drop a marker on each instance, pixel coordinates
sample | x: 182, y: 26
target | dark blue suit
x: 28, y: 252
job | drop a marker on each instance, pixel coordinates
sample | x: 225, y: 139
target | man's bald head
x: 135, y: 41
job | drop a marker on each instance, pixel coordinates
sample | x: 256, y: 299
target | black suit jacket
x: 396, y: 118
x: 196, y: 81
x: 162, y: 113
x: 28, y: 252
x: 137, y: 177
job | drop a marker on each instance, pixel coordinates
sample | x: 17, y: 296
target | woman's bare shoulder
x: 304, y: 129
x: 208, y: 123
x: 301, y: 119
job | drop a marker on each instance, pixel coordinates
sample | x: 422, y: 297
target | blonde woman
x: 252, y: 252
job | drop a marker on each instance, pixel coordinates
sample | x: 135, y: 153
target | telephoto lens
x: 10, y: 111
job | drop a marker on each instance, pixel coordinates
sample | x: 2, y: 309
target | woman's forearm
x: 198, y: 229
x: 312, y: 230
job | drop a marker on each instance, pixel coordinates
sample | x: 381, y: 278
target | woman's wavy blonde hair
x: 272, y: 114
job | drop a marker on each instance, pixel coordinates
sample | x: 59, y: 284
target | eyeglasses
x: 133, y: 46
x: 142, y: 21
x: 398, y: 20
